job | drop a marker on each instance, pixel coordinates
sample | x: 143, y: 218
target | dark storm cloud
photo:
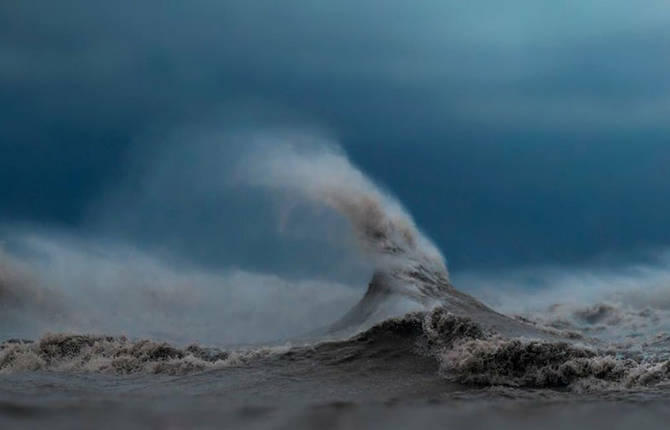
x: 514, y: 132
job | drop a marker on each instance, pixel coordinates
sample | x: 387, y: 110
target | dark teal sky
x: 516, y: 133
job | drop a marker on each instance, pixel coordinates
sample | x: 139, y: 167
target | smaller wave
x: 436, y: 328
x: 117, y: 355
x: 470, y: 354
x: 515, y: 363
x: 609, y: 320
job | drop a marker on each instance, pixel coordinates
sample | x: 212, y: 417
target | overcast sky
x: 516, y: 133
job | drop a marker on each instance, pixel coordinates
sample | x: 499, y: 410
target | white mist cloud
x: 317, y: 171
x: 111, y: 281
x: 617, y: 301
x: 62, y: 283
x: 125, y: 285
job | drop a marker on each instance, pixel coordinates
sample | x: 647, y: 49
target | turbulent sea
x: 415, y: 352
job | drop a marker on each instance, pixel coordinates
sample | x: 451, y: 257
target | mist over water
x: 85, y: 287
x: 618, y: 301
x: 99, y: 283
x: 103, y: 281
x: 103, y: 302
x: 345, y: 214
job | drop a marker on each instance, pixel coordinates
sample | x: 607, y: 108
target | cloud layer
x: 517, y: 132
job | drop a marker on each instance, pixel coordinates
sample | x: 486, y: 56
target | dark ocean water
x: 433, y: 368
x: 451, y: 362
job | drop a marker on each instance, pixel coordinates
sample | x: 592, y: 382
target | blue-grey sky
x: 516, y: 132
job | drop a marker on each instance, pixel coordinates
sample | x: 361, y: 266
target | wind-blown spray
x: 408, y: 268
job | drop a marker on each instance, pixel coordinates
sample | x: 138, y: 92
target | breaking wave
x: 466, y: 341
x: 385, y: 231
x: 409, y: 271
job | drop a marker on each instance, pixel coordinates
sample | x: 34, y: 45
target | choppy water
x: 452, y: 361
x: 459, y: 363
